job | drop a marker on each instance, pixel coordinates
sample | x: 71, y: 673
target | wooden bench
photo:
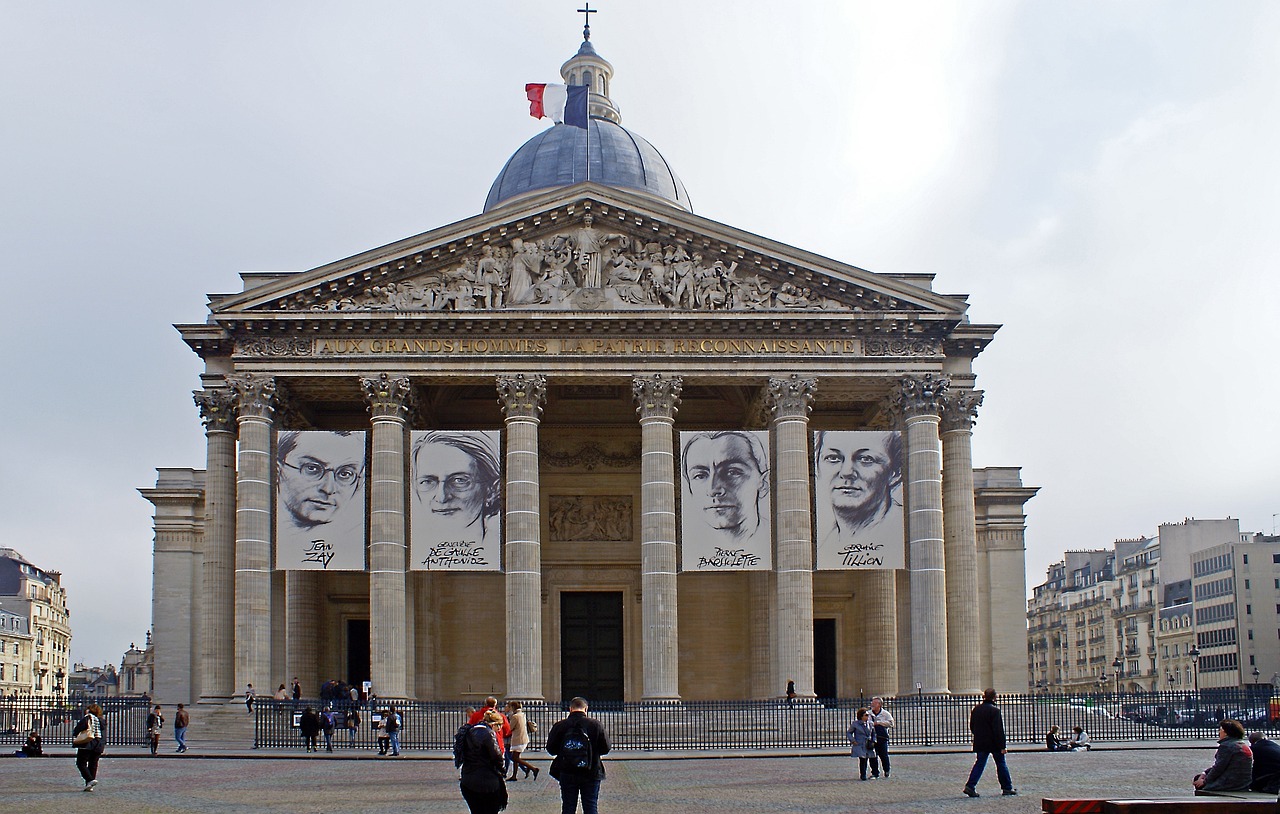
x: 1254, y: 803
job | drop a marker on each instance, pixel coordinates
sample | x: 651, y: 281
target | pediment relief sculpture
x: 587, y: 268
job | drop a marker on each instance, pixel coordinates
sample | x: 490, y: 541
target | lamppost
x: 60, y: 675
x: 1194, y: 653
x: 1119, y: 666
x: 1253, y: 689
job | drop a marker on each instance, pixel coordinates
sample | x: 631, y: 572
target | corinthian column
x: 218, y: 568
x: 522, y: 398
x: 919, y: 401
x: 791, y: 400
x: 389, y: 401
x: 657, y: 399
x: 964, y: 640
x: 255, y: 403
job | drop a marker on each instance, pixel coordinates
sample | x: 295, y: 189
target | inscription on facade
x: 585, y: 347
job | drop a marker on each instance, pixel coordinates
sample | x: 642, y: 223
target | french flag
x: 560, y: 103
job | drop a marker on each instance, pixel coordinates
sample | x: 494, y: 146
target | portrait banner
x: 725, y: 522
x: 857, y: 496
x: 455, y: 500
x: 320, y: 501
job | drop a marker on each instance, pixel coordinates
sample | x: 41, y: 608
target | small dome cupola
x: 589, y: 68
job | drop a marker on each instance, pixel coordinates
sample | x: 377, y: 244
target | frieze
x: 591, y: 269
x: 274, y: 346
x: 591, y: 456
x: 901, y: 346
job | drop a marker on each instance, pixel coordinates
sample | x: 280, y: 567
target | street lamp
x: 1119, y: 665
x: 58, y: 676
x: 1194, y: 653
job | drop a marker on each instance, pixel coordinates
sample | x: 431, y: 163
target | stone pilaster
x: 390, y: 650
x: 791, y: 401
x: 522, y: 398
x: 218, y: 567
x: 255, y: 404
x: 657, y: 399
x: 964, y: 640
x: 918, y: 400
x: 302, y: 629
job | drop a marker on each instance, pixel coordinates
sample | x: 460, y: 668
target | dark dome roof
x: 619, y: 158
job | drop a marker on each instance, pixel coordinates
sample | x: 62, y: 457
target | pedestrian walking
x: 330, y: 725
x: 297, y: 690
x: 520, y: 737
x: 862, y: 735
x: 309, y: 727
x: 791, y: 692
x: 155, y: 722
x: 352, y: 724
x: 87, y: 737
x: 578, y: 742
x: 881, y: 723
x: 248, y: 698
x: 181, y: 720
x: 477, y: 753
x: 987, y: 725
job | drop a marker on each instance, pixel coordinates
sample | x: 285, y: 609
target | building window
x: 1246, y: 559
x: 1250, y: 634
x: 1246, y: 584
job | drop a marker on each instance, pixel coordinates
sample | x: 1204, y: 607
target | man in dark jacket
x: 987, y: 726
x: 578, y: 742
x: 1266, y: 764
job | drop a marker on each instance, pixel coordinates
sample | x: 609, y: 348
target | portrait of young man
x: 857, y: 488
x: 724, y: 501
x: 320, y: 500
x: 456, y: 506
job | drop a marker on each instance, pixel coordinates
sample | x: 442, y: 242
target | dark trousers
x: 882, y: 752
x: 862, y: 767
x: 87, y: 763
x: 571, y: 786
x: 1002, y: 770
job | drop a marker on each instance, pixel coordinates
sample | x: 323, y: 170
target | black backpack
x: 576, y: 750
x: 460, y: 745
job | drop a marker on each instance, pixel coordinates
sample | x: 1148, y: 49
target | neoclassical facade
x: 588, y: 325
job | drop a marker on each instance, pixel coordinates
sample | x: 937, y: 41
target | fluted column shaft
x: 218, y: 566
x: 657, y: 399
x: 522, y: 399
x: 255, y: 401
x: 791, y: 401
x: 389, y: 401
x: 964, y: 641
x: 878, y: 617
x: 302, y: 629
x: 919, y: 402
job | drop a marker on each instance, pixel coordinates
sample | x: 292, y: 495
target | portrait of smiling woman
x: 456, y: 513
x: 857, y: 483
x: 320, y: 505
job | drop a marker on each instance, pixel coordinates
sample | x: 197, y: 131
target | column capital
x: 388, y: 396
x: 960, y: 409
x: 522, y: 396
x: 919, y: 395
x: 656, y: 396
x: 217, y: 409
x: 255, y: 395
x: 791, y: 397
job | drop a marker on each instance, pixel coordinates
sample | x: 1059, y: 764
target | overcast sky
x: 1099, y: 177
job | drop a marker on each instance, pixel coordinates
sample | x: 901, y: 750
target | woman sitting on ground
x: 1079, y: 739
x: 1232, y: 768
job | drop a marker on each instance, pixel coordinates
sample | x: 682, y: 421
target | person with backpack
x: 477, y: 753
x: 391, y: 723
x: 352, y: 724
x: 578, y: 743
x: 329, y: 725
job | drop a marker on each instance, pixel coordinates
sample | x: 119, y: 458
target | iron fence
x: 55, y: 716
x: 821, y: 724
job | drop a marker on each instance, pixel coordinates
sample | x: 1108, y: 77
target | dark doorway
x: 591, y: 645
x: 357, y: 651
x: 824, y: 658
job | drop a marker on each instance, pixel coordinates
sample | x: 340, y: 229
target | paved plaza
x: 131, y: 783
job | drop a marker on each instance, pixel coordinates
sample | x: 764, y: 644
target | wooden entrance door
x: 591, y: 656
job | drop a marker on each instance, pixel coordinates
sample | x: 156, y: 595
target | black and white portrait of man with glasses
x: 320, y: 508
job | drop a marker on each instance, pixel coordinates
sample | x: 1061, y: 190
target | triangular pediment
x: 587, y: 248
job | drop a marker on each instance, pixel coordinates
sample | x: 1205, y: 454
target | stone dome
x: 557, y: 157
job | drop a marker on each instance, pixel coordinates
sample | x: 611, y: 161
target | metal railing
x: 821, y: 724
x: 54, y: 716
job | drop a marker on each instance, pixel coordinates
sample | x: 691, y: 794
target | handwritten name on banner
x: 456, y: 556
x: 449, y: 346
x: 735, y: 559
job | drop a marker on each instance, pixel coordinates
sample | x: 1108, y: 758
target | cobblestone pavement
x: 816, y: 785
